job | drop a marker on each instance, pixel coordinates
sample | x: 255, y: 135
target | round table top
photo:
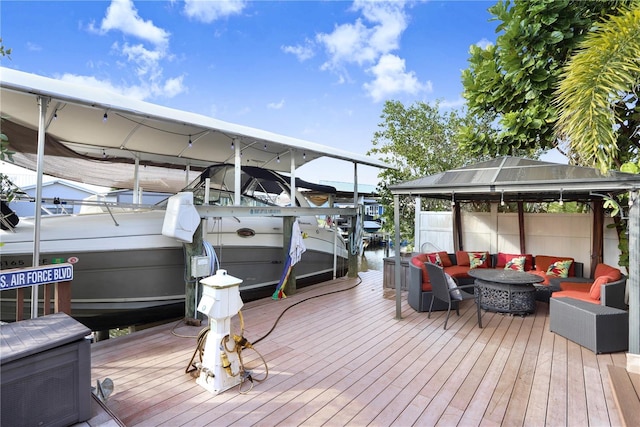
x: 511, y: 277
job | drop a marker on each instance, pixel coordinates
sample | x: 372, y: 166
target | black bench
x: 600, y: 328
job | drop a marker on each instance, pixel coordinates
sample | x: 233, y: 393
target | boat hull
x: 141, y: 277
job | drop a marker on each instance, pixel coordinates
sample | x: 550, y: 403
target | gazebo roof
x: 517, y: 178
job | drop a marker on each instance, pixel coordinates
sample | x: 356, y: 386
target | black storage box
x: 45, y: 372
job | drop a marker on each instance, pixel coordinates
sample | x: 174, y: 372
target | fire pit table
x: 506, y: 291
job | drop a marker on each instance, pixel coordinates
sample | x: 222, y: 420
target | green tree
x: 597, y: 97
x: 514, y: 80
x: 599, y: 110
x: 417, y: 140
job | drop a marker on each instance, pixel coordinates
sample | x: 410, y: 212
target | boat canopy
x: 97, y: 137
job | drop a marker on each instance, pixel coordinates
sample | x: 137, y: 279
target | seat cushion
x: 458, y: 271
x: 542, y: 274
x: 575, y: 286
x: 584, y: 296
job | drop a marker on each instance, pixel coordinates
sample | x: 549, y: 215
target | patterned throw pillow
x: 477, y: 259
x: 434, y: 258
x: 516, y: 263
x: 559, y: 268
x: 455, y: 294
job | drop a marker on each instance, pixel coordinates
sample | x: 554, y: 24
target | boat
x: 126, y: 272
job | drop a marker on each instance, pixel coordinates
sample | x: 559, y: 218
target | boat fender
x: 181, y: 218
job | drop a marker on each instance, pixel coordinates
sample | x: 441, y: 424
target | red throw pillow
x: 607, y: 270
x: 462, y: 258
x: 594, y: 292
x: 434, y: 258
x: 444, y: 257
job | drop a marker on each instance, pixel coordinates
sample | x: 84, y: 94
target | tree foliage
x: 417, y: 140
x: 515, y: 79
x: 599, y: 112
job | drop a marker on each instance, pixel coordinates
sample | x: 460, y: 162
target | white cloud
x: 208, y: 11
x: 302, y: 52
x: 32, y: 47
x: 174, y: 86
x: 134, y: 91
x: 146, y: 60
x: 276, y: 106
x: 484, y: 43
x: 123, y: 16
x: 391, y: 78
x: 457, y: 103
x: 360, y: 44
x: 369, y: 42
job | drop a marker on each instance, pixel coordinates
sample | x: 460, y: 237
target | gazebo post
x: 523, y: 242
x: 597, y: 247
x: 396, y: 222
x: 633, y: 282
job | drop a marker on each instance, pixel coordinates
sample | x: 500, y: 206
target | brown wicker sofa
x: 458, y: 264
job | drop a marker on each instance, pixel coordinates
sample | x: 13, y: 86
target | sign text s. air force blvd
x: 10, y: 279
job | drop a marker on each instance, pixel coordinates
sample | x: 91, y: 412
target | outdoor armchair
x: 446, y: 289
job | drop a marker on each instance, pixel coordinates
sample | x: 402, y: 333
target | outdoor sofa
x: 458, y: 264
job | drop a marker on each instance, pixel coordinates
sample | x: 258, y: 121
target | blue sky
x: 316, y: 70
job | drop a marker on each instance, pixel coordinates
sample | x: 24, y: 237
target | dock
x: 339, y: 357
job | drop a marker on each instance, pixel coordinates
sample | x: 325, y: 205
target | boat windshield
x: 261, y: 188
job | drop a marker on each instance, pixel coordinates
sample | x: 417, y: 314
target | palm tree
x: 598, y: 97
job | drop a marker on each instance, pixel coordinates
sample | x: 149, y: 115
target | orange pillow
x: 594, y: 292
x: 607, y: 270
x: 444, y: 257
x: 462, y: 257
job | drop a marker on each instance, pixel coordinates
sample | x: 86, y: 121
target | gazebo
x: 520, y: 180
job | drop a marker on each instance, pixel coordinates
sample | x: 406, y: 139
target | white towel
x: 297, y: 247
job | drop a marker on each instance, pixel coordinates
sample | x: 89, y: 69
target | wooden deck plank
x: 503, y: 390
x: 596, y: 403
x: 343, y: 359
x: 576, y: 386
x: 481, y: 399
x: 557, y: 413
x: 626, y: 394
x: 539, y: 397
x: 519, y: 402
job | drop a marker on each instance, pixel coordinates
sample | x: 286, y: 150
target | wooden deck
x: 343, y: 359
